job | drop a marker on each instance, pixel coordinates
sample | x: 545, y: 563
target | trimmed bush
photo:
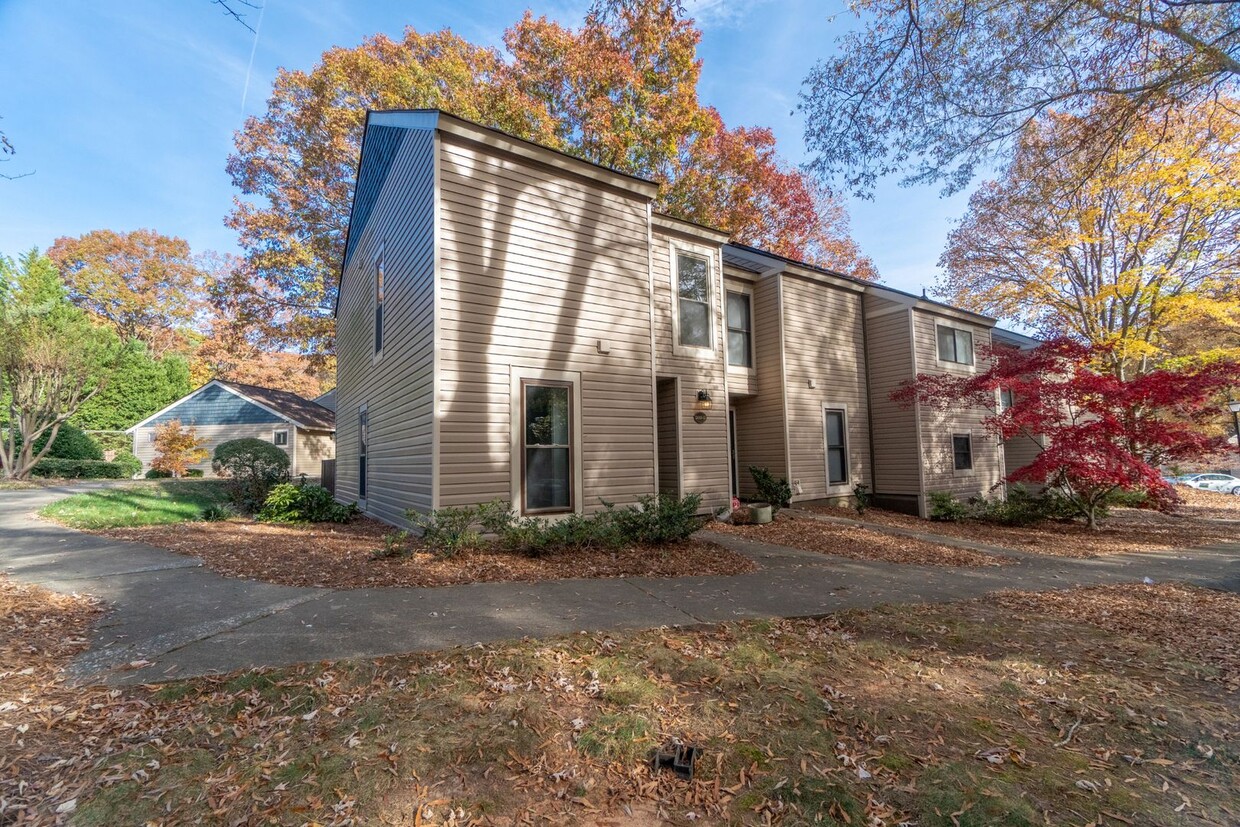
x: 777, y: 492
x: 131, y: 464
x: 252, y: 467
x: 194, y: 472
x: 156, y: 474
x: 78, y: 469
x: 71, y: 443
x: 300, y: 503
x: 660, y: 519
x: 944, y: 507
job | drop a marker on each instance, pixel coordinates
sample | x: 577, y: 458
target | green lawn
x: 147, y: 503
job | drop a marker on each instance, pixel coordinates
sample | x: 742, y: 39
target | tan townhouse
x: 520, y: 324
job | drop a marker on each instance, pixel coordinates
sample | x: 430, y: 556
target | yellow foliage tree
x: 1117, y: 250
x: 176, y: 448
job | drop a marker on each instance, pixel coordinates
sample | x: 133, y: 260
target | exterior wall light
x: 704, y: 403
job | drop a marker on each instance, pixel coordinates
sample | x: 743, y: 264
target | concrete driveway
x: 187, y: 620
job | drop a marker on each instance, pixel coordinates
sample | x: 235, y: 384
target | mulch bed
x: 809, y: 534
x: 340, y: 557
x: 1194, y: 623
x: 1125, y: 531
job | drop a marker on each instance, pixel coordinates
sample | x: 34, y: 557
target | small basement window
x: 280, y: 438
x: 962, y: 452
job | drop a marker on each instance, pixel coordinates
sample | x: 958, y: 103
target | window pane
x: 837, y: 472
x: 694, y: 323
x: 962, y: 448
x: 835, y: 428
x: 738, y: 311
x: 546, y: 415
x: 547, y: 483
x: 692, y: 275
x: 964, y: 347
x: 738, y: 348
x: 947, y: 345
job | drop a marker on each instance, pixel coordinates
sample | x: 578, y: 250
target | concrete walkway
x: 187, y: 620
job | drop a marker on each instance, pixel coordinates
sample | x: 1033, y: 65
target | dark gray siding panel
x: 216, y: 406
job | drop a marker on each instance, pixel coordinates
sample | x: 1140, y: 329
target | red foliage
x: 1102, y: 433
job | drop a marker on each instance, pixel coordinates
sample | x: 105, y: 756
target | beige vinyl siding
x: 889, y: 360
x: 760, y: 434
x: 704, y: 446
x: 669, y: 453
x: 210, y: 436
x: 537, y: 267
x: 824, y: 342
x: 397, y: 390
x: 937, y: 426
x: 310, y: 449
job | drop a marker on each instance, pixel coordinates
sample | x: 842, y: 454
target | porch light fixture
x: 704, y: 402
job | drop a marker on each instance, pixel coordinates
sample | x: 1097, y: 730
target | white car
x: 1223, y: 483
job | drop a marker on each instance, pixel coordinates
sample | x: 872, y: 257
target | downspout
x: 869, y: 394
x: 654, y: 378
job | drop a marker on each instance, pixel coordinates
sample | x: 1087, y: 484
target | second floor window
x: 379, y: 304
x: 955, y: 345
x: 740, y: 331
x: 693, y: 300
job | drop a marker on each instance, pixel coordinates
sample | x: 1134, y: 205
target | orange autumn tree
x: 620, y: 90
x: 176, y: 448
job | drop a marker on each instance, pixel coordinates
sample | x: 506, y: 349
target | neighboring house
x: 327, y: 400
x: 220, y: 411
x: 516, y: 323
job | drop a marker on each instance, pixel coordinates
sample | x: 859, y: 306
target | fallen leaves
x: 339, y: 557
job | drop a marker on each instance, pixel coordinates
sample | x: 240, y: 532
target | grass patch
x: 959, y: 714
x: 153, y: 503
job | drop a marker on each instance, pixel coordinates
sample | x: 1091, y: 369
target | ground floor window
x: 363, y: 439
x: 547, y: 446
x: 962, y: 452
x: 837, y: 448
x: 280, y: 438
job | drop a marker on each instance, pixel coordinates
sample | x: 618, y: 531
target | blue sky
x: 125, y: 111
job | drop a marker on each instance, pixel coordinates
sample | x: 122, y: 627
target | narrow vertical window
x: 837, y: 448
x: 962, y: 452
x: 1005, y: 399
x: 280, y: 438
x: 379, y: 304
x: 363, y: 439
x: 693, y: 300
x: 547, y: 447
x: 740, y: 331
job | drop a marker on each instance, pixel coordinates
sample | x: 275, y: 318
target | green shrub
x: 446, y: 531
x: 659, y: 519
x: 156, y: 474
x: 78, y: 469
x: 127, y: 461
x: 215, y: 514
x: 71, y: 443
x: 194, y: 473
x: 863, y: 497
x: 112, y: 440
x: 395, y: 544
x: 944, y: 507
x: 252, y: 467
x: 300, y: 503
x: 777, y: 492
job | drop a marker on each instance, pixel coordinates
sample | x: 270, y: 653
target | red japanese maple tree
x: 1102, y: 433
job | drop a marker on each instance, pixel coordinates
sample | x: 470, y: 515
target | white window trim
x: 287, y: 439
x: 970, y: 366
x: 361, y: 499
x: 378, y: 265
x: 712, y: 299
x: 846, y: 485
x: 746, y: 291
x: 516, y: 416
x: 972, y: 469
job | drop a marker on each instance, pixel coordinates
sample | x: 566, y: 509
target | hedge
x: 79, y: 469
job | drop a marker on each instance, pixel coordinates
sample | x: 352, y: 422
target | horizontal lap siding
x: 823, y: 342
x: 760, y: 434
x: 209, y: 437
x: 397, y: 390
x: 536, y: 267
x: 889, y: 359
x: 704, y: 446
x: 310, y: 449
x: 937, y: 426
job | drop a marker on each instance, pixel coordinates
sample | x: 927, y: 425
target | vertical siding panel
x: 397, y: 389
x: 536, y: 268
x: 824, y: 342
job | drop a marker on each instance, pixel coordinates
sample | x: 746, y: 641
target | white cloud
x: 721, y: 13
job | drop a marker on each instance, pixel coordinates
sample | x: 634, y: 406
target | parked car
x: 1223, y: 483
